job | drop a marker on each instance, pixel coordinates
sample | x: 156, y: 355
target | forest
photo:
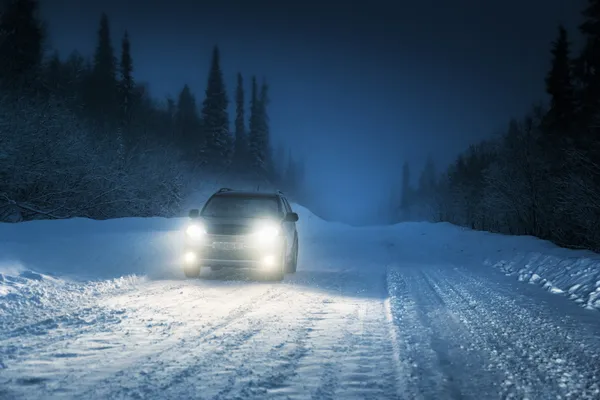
x: 82, y: 138
x: 541, y: 177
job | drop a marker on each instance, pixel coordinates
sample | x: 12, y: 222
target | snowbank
x: 571, y: 273
x: 86, y: 249
x: 78, y: 256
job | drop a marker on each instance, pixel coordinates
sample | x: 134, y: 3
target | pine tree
x: 102, y: 94
x: 260, y: 147
x: 215, y: 118
x: 590, y: 60
x: 126, y: 83
x: 265, y: 132
x: 254, y: 139
x: 241, y: 142
x: 21, y: 45
x: 559, y: 85
x: 187, y: 124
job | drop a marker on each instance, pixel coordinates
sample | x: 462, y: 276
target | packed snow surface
x: 100, y: 310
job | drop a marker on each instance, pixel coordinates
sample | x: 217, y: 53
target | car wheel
x: 293, y: 262
x: 191, y: 272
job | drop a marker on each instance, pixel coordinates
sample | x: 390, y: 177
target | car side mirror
x: 194, y: 213
x: 291, y: 217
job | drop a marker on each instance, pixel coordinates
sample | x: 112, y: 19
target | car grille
x: 222, y: 229
x: 217, y: 254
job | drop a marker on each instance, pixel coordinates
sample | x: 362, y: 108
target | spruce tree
x: 187, y: 124
x: 21, y: 45
x: 559, y: 85
x: 126, y: 83
x: 260, y: 148
x: 265, y: 133
x: 590, y: 60
x: 241, y: 145
x: 215, y: 118
x: 103, y: 92
x: 254, y: 140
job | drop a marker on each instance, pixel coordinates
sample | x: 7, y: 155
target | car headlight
x: 266, y: 233
x: 195, y: 231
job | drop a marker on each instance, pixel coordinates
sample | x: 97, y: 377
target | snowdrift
x: 48, y: 262
x: 571, y: 273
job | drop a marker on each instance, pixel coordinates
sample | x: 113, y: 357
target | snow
x: 99, y: 309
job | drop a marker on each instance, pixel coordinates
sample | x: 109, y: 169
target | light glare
x: 190, y: 257
x: 266, y: 232
x: 269, y: 261
x: 195, y: 231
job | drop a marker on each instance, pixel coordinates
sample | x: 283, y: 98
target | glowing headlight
x: 269, y: 261
x: 195, y: 231
x: 190, y: 258
x: 267, y: 232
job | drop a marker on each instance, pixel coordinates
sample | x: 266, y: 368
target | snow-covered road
x: 371, y: 314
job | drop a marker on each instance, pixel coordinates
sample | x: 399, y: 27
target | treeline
x: 81, y: 137
x: 542, y: 177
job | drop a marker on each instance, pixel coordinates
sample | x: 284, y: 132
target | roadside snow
x: 99, y: 309
x: 574, y: 274
x: 41, y: 257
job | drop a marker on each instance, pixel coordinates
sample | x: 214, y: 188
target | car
x: 242, y: 229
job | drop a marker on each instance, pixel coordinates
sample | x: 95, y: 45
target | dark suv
x: 242, y: 229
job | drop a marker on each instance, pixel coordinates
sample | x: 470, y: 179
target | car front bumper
x: 234, y: 252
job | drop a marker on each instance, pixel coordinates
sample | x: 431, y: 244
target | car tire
x: 191, y: 272
x: 293, y: 262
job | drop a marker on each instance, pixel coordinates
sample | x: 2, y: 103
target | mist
x: 358, y: 91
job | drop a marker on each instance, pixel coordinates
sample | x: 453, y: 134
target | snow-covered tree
x: 126, y: 83
x: 241, y: 140
x: 215, y: 118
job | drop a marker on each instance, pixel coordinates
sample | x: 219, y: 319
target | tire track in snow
x: 350, y: 355
x: 134, y: 344
x: 497, y: 347
x: 541, y: 354
x: 434, y: 348
x: 159, y: 370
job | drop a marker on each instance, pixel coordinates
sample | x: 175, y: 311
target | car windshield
x: 241, y: 207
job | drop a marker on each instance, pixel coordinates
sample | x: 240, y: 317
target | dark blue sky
x: 359, y: 87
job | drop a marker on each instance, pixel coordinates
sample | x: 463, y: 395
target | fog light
x: 269, y: 261
x: 190, y: 257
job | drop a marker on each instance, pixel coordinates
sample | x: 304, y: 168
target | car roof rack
x: 224, y: 190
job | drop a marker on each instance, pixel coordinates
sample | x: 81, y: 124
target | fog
x: 355, y: 91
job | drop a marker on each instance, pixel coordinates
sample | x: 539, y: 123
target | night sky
x: 359, y: 87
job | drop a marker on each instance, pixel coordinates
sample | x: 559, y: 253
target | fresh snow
x: 99, y: 310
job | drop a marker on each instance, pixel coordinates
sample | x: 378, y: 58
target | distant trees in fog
x: 81, y: 137
x: 542, y: 177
